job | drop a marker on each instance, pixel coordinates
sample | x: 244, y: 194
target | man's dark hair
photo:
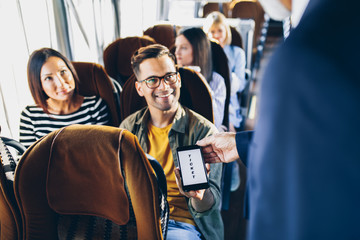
x: 151, y: 51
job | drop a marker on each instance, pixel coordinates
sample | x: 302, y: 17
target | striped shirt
x: 35, y: 123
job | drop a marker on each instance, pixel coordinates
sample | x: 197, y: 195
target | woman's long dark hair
x: 35, y: 63
x: 201, y: 50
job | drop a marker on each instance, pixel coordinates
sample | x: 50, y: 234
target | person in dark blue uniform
x: 304, y: 157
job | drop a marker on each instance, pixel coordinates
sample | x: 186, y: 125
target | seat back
x: 194, y: 94
x: 210, y: 7
x: 95, y: 81
x: 10, y: 220
x: 164, y: 34
x: 88, y: 170
x: 236, y: 38
x: 117, y: 56
x: 250, y: 9
x: 221, y: 66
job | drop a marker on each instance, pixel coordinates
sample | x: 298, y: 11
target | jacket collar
x: 179, y: 122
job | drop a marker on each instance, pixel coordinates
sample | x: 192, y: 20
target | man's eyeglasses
x: 154, y: 82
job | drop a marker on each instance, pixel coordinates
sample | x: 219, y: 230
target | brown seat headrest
x: 118, y: 54
x: 81, y: 172
x: 164, y: 34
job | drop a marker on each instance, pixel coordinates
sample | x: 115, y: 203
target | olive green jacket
x: 188, y: 127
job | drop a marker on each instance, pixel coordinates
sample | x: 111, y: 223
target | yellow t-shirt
x: 159, y: 148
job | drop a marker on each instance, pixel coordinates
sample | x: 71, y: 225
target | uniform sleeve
x: 243, y: 140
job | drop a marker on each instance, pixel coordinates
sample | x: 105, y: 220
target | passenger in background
x: 216, y: 27
x: 193, y: 49
x: 163, y: 126
x: 54, y: 84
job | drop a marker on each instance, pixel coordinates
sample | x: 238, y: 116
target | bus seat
x: 130, y: 99
x: 164, y: 34
x: 117, y: 56
x: 220, y: 65
x: 89, y: 180
x: 194, y: 94
x: 250, y: 9
x: 10, y: 219
x: 210, y: 7
x: 95, y: 81
x: 236, y: 38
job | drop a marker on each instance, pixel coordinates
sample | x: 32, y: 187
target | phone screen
x: 192, y: 168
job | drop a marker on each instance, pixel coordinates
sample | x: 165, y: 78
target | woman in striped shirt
x: 54, y: 84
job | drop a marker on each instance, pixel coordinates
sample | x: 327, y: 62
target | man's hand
x: 201, y: 200
x: 220, y: 147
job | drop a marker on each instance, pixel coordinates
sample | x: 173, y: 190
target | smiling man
x: 163, y: 126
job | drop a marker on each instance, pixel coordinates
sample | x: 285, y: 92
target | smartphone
x: 192, y: 168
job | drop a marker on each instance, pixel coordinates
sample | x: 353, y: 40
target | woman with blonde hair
x: 216, y: 28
